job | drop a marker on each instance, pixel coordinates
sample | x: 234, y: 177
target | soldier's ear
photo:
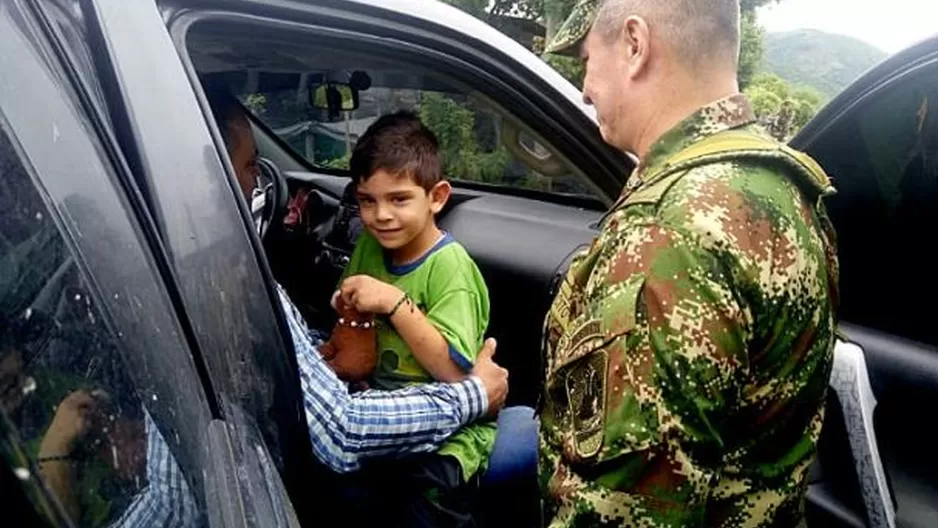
x: 636, y: 40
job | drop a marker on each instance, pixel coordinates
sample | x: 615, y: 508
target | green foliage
x: 774, y: 84
x: 454, y: 125
x: 779, y: 106
x: 570, y: 67
x: 529, y: 9
x: 340, y: 163
x: 256, y: 103
x: 751, y: 41
x: 751, y: 49
x: 764, y: 101
x: 804, y: 111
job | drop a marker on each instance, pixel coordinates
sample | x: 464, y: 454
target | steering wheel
x: 269, y: 204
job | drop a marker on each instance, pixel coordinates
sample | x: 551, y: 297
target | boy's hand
x: 369, y: 295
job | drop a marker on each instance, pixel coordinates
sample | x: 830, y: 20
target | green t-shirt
x: 448, y: 288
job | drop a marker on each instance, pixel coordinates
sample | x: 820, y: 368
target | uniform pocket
x: 585, y: 386
x: 581, y: 378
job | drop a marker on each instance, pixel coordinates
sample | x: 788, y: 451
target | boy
x: 431, y: 306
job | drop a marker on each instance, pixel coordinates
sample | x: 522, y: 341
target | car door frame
x: 233, y: 442
x: 857, y: 370
x: 161, y: 339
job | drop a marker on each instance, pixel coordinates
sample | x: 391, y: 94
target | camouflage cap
x: 574, y: 28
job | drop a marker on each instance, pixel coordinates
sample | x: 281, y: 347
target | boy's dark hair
x: 400, y: 144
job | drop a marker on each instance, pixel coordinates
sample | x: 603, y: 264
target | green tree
x: 751, y: 49
x: 807, y: 102
x: 454, y: 125
x: 342, y: 162
x: 779, y: 106
x: 752, y: 41
x: 774, y: 84
x: 764, y: 101
x: 553, y: 14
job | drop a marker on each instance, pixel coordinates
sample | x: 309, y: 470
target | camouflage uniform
x: 574, y: 28
x: 689, y: 348
x: 781, y: 123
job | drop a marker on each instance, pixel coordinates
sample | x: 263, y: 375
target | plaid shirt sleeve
x: 346, y: 429
x: 166, y: 501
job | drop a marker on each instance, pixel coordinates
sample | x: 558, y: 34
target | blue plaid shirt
x: 166, y: 501
x: 345, y: 429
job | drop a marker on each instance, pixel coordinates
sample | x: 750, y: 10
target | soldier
x: 689, y: 348
x: 782, y: 122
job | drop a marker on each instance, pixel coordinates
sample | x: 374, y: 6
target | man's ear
x: 636, y: 36
x: 439, y: 195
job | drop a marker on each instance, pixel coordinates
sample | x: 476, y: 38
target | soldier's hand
x: 494, y: 377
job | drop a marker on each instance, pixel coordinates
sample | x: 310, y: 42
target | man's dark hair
x: 226, y: 109
x: 400, y: 144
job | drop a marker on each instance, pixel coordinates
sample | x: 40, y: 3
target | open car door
x: 879, y: 143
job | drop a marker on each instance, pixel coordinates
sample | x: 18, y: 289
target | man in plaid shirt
x: 345, y: 429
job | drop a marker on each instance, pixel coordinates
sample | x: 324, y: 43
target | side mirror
x: 334, y: 97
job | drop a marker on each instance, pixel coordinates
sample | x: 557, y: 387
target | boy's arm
x: 346, y: 429
x: 431, y: 349
x: 426, y: 342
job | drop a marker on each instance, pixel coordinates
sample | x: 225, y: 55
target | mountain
x: 822, y: 60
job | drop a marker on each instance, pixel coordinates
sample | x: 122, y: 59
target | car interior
x: 519, y: 206
x: 521, y: 215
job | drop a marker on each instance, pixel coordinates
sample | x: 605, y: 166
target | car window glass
x: 884, y: 161
x: 68, y: 20
x: 480, y: 141
x: 65, y: 386
x: 76, y: 417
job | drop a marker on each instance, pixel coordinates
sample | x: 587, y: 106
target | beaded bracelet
x: 364, y: 325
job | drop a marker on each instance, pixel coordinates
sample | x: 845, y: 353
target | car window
x: 884, y: 161
x: 92, y: 368
x: 480, y: 141
x: 68, y: 20
x: 65, y: 386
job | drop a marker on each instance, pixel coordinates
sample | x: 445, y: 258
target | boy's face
x: 397, y: 211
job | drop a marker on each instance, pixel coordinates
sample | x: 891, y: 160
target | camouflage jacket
x: 689, y: 348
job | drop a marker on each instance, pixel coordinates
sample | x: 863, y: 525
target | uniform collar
x: 725, y: 114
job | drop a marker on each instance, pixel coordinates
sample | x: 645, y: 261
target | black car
x: 132, y: 272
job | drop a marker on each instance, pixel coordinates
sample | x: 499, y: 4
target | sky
x: 889, y: 25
